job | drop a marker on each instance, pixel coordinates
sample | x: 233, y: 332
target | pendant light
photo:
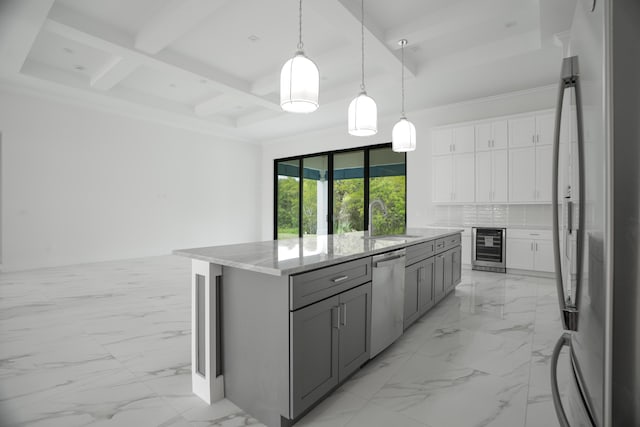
x: 363, y: 112
x: 299, y: 80
x: 403, y: 136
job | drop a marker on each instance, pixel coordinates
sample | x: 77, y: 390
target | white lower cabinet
x: 530, y: 250
x: 544, y: 256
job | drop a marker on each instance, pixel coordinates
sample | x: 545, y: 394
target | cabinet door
x: 314, y: 353
x: 448, y: 271
x: 543, y: 259
x: 442, y: 179
x: 355, y: 329
x: 466, y: 249
x: 442, y: 141
x: 522, y: 174
x: 456, y: 266
x: 464, y: 139
x: 438, y: 277
x: 545, y: 124
x: 411, y: 279
x: 543, y: 173
x: 499, y: 134
x: 484, y: 173
x: 520, y: 254
x: 425, y: 286
x: 500, y: 178
x: 483, y: 137
x: 522, y: 131
x: 464, y: 177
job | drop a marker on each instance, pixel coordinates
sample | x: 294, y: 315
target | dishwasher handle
x: 386, y: 262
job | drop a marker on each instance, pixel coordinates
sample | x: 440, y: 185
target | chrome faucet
x: 382, y: 206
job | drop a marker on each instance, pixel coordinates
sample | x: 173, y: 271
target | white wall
x: 79, y: 185
x: 420, y: 210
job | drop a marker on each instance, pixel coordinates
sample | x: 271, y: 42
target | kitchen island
x: 278, y: 325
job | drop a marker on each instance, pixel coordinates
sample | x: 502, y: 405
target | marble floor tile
x: 442, y: 394
x: 375, y: 416
x: 108, y: 344
x: 336, y: 411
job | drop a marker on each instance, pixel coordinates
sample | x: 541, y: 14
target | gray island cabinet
x: 278, y: 325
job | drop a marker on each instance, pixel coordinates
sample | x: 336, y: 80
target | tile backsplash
x: 493, y: 215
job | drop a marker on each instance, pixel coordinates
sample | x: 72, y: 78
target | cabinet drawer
x: 420, y: 251
x: 447, y: 242
x: 513, y: 233
x: 307, y: 288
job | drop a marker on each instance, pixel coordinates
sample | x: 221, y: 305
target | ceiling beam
x: 346, y: 19
x: 213, y: 105
x: 113, y: 72
x: 48, y: 81
x: 81, y: 29
x: 172, y: 21
x: 20, y: 24
x: 453, y: 19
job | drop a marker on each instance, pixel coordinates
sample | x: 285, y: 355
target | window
x: 329, y: 193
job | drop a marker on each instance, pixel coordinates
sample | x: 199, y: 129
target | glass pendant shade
x: 403, y: 136
x: 363, y: 116
x: 299, y: 85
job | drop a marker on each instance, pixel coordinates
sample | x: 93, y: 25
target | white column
x: 204, y: 332
x: 323, y: 205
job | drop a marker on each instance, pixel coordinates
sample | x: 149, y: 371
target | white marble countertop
x: 290, y: 256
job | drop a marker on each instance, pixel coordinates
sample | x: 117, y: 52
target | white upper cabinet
x: 453, y: 160
x: 500, y: 176
x: 442, y: 141
x: 464, y: 139
x: 545, y: 125
x: 505, y: 160
x: 522, y: 132
x: 463, y: 178
x: 531, y: 130
x: 484, y: 185
x: 491, y: 135
x: 491, y: 176
x: 522, y: 175
x: 530, y: 174
x: 544, y: 160
x: 453, y: 178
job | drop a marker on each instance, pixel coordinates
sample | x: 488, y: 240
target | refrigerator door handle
x: 569, y: 78
x: 564, y: 340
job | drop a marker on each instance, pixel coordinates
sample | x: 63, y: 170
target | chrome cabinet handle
x: 569, y: 78
x: 339, y: 279
x: 565, y: 340
x: 335, y: 317
x: 531, y: 246
x: 343, y: 314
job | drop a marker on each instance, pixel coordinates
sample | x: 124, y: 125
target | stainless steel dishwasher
x: 387, y: 299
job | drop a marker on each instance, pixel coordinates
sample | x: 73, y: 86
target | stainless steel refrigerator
x: 596, y: 178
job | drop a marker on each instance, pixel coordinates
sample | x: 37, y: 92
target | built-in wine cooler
x: 488, y: 249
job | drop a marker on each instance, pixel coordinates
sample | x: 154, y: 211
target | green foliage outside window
x: 387, y: 184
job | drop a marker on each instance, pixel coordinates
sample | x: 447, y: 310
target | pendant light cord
x: 300, y: 44
x: 362, y: 35
x: 402, y: 43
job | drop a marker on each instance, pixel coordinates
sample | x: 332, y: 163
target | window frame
x: 300, y: 159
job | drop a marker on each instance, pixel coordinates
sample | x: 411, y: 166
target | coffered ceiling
x: 214, y: 65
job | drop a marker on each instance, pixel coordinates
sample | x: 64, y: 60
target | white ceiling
x: 213, y: 65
